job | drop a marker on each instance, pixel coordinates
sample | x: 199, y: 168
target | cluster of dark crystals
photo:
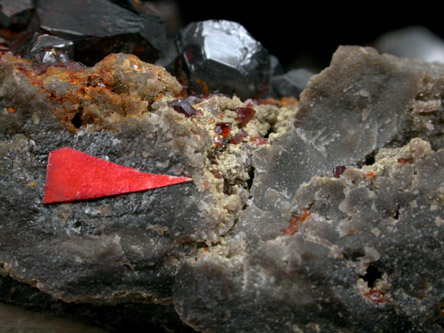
x: 96, y: 28
x: 213, y: 56
x: 47, y: 49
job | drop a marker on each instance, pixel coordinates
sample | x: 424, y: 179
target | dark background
x: 301, y: 33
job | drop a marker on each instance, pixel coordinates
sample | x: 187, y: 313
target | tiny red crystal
x: 403, y: 160
x: 216, y: 174
x: 72, y: 175
x: 339, y: 170
x: 244, y: 115
x: 292, y: 227
x: 223, y: 129
x: 304, y: 215
x: 239, y: 137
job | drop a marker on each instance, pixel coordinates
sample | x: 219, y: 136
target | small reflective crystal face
x: 224, y: 56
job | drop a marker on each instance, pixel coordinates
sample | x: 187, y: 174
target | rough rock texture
x: 311, y: 252
x: 294, y: 248
x: 108, y: 111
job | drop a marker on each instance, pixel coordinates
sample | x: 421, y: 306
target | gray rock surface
x: 292, y: 249
x: 367, y: 255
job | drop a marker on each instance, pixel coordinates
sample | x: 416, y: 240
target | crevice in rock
x: 250, y: 179
x: 77, y: 119
x: 368, y: 160
x: 111, y: 317
x: 396, y: 213
x: 372, y: 274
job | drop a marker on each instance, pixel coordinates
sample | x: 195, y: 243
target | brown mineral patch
x: 117, y: 87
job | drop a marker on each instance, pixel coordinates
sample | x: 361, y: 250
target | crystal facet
x: 99, y: 27
x: 224, y: 56
x: 49, y: 49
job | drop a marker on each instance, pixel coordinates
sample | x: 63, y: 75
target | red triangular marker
x: 72, y: 175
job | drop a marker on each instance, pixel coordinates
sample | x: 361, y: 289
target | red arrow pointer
x: 72, y: 175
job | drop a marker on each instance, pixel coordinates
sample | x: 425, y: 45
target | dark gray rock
x: 318, y: 278
x: 15, y: 13
x: 223, y: 56
x: 291, y: 83
x: 99, y: 28
x: 112, y: 249
x: 359, y: 252
x: 315, y: 253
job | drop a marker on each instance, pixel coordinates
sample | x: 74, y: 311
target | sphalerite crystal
x: 47, y: 49
x: 99, y: 27
x: 222, y: 56
x: 321, y: 215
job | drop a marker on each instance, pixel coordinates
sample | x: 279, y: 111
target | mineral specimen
x: 99, y: 27
x: 224, y: 56
x: 49, y: 49
x: 322, y: 215
x: 300, y: 256
x: 125, y: 248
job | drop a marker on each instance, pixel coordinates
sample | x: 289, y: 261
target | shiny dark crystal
x: 99, y: 27
x: 183, y: 107
x: 291, y: 83
x: 15, y: 13
x: 50, y: 50
x: 224, y: 56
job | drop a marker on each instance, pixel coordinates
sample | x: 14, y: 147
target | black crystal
x: 50, y: 50
x: 100, y: 27
x: 224, y: 57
